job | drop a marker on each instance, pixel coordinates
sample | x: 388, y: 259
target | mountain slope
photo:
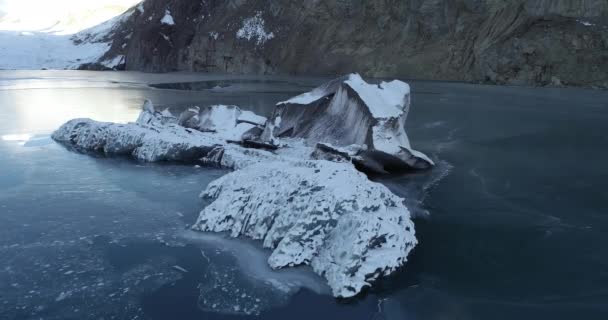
x: 536, y: 42
x: 521, y: 42
x: 52, y: 46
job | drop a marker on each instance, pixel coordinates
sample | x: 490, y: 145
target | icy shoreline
x: 296, y: 186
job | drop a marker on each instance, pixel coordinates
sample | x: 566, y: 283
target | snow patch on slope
x: 254, y: 29
x: 349, y: 111
x: 168, y: 18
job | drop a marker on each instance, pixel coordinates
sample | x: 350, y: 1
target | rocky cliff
x: 534, y: 42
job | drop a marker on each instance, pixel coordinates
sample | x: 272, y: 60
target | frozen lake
x: 517, y: 229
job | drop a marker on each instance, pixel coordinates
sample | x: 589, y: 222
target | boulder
x: 349, y: 111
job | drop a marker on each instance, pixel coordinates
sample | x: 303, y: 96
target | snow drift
x: 295, y: 184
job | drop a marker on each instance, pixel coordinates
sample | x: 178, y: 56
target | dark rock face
x: 530, y: 42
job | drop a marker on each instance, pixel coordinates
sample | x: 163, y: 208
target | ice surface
x: 247, y: 283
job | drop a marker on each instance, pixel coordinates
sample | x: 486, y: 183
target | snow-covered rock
x: 319, y: 213
x: 144, y: 142
x: 348, y: 111
x: 160, y: 136
x: 298, y: 192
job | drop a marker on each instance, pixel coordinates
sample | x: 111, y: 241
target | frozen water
x: 249, y: 285
x: 501, y: 241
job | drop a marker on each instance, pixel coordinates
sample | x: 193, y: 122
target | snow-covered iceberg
x: 349, y: 111
x: 160, y: 136
x: 319, y: 213
x: 155, y: 137
x: 295, y: 184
